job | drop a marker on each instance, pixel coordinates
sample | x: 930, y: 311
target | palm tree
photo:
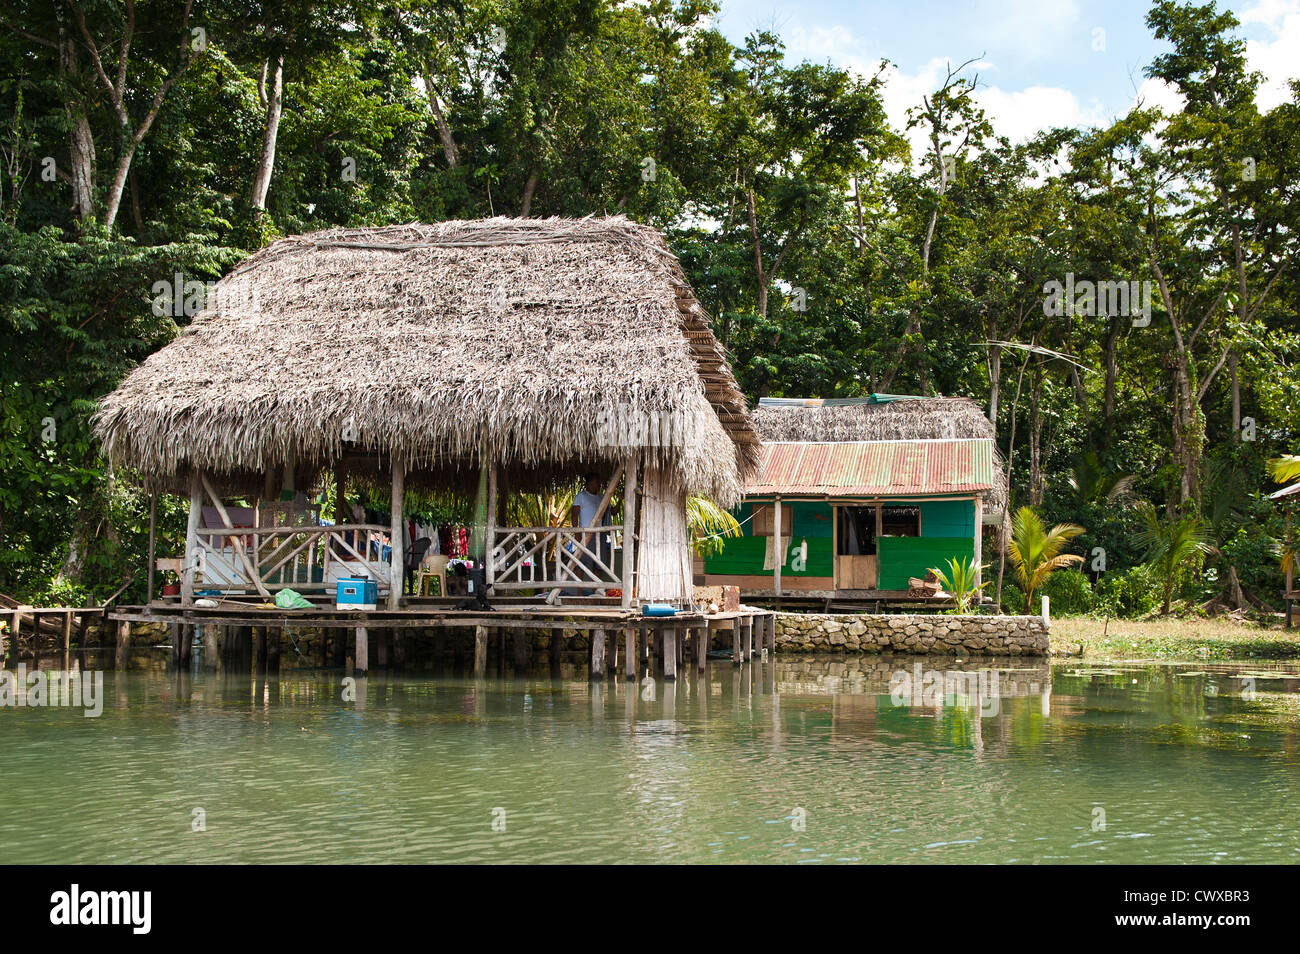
x: 1092, y: 483
x: 1171, y: 545
x: 1035, y: 551
x: 708, y: 524
x: 1285, y: 469
x: 959, y: 580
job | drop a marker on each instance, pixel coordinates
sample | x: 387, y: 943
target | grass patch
x: 1172, y: 636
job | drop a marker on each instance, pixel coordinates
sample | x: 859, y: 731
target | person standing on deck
x: 585, y: 504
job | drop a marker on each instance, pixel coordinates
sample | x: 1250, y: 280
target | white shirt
x: 587, y: 504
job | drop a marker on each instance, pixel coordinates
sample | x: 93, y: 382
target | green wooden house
x: 853, y: 498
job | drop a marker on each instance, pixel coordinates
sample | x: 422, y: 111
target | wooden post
x: 210, y: 647
x: 261, y: 649
x: 153, y: 522
x: 490, y: 531
x: 597, y: 654
x: 771, y: 634
x: 123, y: 644
x: 629, y: 530
x: 557, y: 645
x: 748, y: 637
x: 629, y: 646
x: 521, y: 650
x: 361, y: 658
x: 397, y: 536
x: 670, y: 652
x: 67, y: 639
x: 480, y: 650
x: 778, y: 551
x: 735, y: 642
x: 11, y: 641
x: 192, y: 539
x: 979, y: 539
x: 381, y: 649
x: 273, y: 650
x: 702, y: 646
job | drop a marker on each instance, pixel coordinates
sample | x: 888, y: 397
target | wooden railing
x: 305, y: 558
x: 522, y: 558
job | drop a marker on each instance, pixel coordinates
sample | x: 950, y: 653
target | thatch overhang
x: 551, y: 344
x: 895, y: 419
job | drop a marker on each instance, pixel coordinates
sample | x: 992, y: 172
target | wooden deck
x: 753, y: 630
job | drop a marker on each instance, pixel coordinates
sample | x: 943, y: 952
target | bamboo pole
x: 397, y: 537
x: 153, y: 522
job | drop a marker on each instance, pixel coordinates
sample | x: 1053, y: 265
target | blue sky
x: 1042, y: 62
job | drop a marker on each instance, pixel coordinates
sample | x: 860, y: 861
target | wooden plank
x: 670, y: 652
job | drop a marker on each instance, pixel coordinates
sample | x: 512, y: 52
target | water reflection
x: 878, y: 759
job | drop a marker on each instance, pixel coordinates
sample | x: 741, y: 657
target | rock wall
x: 920, y: 634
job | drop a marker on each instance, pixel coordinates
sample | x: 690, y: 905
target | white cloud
x: 1277, y: 57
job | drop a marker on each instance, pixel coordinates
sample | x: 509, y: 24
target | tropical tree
x: 1171, y: 546
x: 1035, y: 551
x: 959, y: 579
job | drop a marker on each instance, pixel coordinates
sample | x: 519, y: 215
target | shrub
x: 1129, y: 593
x: 1070, y: 592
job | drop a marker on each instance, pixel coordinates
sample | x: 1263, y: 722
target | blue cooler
x: 357, y: 593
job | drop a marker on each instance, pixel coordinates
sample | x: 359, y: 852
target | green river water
x: 801, y: 760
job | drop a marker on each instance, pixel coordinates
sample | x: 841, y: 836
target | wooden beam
x: 491, y: 529
x: 629, y: 531
x: 123, y: 644
x: 629, y: 652
x: 480, y: 651
x: 361, y: 658
x: 778, y: 549
x: 397, y: 537
x: 597, y: 654
x: 192, y: 538
x: 670, y: 652
x: 151, y: 568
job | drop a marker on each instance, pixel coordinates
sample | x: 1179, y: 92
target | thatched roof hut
x: 550, y: 343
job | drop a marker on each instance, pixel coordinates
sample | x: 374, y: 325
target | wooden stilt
x: 480, y: 651
x: 11, y: 641
x: 273, y: 637
x: 670, y: 652
x: 340, y: 648
x: 702, y: 640
x: 210, y: 647
x: 361, y: 658
x: 187, y: 645
x: 178, y: 651
x: 629, y: 651
x: 747, y: 638
x: 557, y: 645
x: 261, y: 649
x: 67, y: 641
x: 123, y: 644
x: 521, y: 650
x: 735, y: 642
x: 381, y: 649
x: 597, y: 653
x: 771, y: 634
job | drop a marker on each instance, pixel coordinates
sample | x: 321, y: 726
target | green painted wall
x: 948, y: 518
x: 947, y: 531
x: 743, y: 556
x: 903, y: 557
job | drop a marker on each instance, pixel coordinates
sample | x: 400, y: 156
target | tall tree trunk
x: 530, y: 188
x: 995, y: 385
x: 449, y: 149
x: 81, y: 141
x: 1036, y: 442
x: 1112, y: 375
x: 270, y: 133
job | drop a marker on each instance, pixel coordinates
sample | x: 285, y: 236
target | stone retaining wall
x: 921, y: 634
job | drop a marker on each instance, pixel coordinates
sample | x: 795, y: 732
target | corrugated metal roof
x: 874, y: 468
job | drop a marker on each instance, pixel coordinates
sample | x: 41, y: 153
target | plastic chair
x: 435, y: 565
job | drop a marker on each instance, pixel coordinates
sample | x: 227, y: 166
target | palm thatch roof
x: 552, y: 343
x: 894, y: 418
